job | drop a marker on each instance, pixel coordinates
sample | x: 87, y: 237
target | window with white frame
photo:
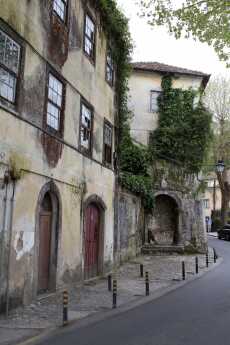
x: 109, y: 68
x: 10, y: 54
x: 90, y: 37
x: 60, y: 8
x: 54, y: 102
x: 206, y: 203
x: 86, y: 127
x: 154, y: 100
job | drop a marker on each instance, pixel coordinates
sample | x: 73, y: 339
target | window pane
x: 108, y: 135
x: 154, y: 101
x: 85, y: 138
x: 53, y: 116
x: 88, y: 47
x: 59, y: 7
x: 7, y: 85
x: 89, y: 28
x: 109, y: 67
x: 86, y: 126
x: 9, y: 52
x: 86, y: 116
x: 55, y: 90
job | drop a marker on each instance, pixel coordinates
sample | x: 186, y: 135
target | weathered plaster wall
x: 141, y: 84
x: 25, y: 143
x: 130, y: 226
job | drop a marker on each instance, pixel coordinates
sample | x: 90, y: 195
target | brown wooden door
x: 92, y: 232
x: 44, y: 251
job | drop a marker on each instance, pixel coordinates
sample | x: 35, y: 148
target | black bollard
x: 214, y: 255
x: 183, y: 270
x: 110, y: 282
x: 141, y: 270
x: 147, y: 283
x: 197, y: 265
x: 114, y: 294
x: 65, y: 307
x: 207, y: 261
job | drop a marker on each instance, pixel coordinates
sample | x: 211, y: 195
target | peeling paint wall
x: 42, y: 157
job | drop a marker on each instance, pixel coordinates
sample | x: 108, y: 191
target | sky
x: 155, y: 44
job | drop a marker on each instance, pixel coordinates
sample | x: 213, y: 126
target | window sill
x: 91, y: 60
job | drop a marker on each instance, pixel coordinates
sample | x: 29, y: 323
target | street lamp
x: 220, y: 166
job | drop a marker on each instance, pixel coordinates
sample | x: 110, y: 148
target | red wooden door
x: 92, y: 231
x: 44, y: 251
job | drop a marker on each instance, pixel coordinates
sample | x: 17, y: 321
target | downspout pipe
x: 9, y: 250
x: 6, y: 181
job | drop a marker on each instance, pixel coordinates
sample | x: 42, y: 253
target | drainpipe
x: 6, y: 181
x: 9, y: 250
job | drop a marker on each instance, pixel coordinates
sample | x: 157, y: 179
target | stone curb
x: 95, y: 318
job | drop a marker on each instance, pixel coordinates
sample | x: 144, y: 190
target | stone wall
x: 129, y: 228
x: 186, y: 216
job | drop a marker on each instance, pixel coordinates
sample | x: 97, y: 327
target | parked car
x: 224, y: 233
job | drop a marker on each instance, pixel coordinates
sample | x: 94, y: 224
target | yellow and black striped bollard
x: 65, y: 307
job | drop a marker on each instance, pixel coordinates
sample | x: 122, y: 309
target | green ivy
x: 184, y: 130
x: 132, y: 159
x: 139, y: 185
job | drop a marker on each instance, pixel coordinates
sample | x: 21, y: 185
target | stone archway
x: 48, y: 228
x: 164, y: 229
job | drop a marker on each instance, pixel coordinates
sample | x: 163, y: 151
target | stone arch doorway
x: 48, y: 226
x: 93, y: 237
x: 165, y: 229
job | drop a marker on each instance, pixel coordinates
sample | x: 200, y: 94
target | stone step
x: 151, y: 249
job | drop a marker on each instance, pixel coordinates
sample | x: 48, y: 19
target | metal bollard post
x: 197, y: 265
x: 183, y: 270
x: 147, y: 283
x: 141, y: 270
x: 214, y: 255
x: 207, y: 260
x: 114, y: 294
x: 109, y: 282
x: 65, y: 307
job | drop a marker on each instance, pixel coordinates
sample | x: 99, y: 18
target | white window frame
x: 86, y: 127
x: 154, y: 109
x: 90, y: 37
x: 55, y: 95
x: 8, y: 88
x: 60, y: 8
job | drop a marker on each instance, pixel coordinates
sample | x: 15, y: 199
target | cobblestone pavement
x: 164, y: 271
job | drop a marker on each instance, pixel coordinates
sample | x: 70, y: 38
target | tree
x: 217, y: 99
x: 206, y: 20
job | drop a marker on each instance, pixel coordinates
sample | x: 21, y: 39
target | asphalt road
x: 196, y: 314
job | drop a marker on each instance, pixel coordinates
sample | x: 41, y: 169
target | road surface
x: 196, y: 314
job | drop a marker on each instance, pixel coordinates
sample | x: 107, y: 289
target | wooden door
x: 92, y: 233
x: 45, y: 230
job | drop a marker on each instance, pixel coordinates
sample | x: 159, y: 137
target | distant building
x: 177, y: 220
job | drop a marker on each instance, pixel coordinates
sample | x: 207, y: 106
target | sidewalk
x: 94, y: 297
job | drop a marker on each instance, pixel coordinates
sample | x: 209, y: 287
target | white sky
x: 155, y: 44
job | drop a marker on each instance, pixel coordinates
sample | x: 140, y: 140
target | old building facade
x: 57, y: 111
x: 177, y: 221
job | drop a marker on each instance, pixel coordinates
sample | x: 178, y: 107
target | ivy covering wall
x: 184, y: 130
